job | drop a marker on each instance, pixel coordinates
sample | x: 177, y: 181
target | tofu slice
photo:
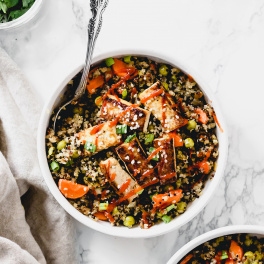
x: 126, y: 113
x: 166, y: 165
x: 157, y: 102
x: 121, y: 181
x: 102, y: 136
x: 136, y: 162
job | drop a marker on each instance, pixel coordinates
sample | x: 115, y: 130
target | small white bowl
x: 32, y: 12
x: 192, y: 210
x: 222, y: 231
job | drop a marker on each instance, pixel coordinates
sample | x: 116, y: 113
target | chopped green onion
x: 109, y: 62
x: 165, y: 86
x: 127, y: 59
x: 124, y: 93
x: 224, y: 255
x: 51, y: 150
x: 121, y: 129
x: 130, y: 138
x: 90, y: 147
x: 166, y: 219
x: 170, y: 207
x: 149, y: 138
x: 54, y: 166
x: 156, y: 157
x: 103, y: 206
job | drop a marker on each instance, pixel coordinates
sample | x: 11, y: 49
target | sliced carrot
x: 71, y: 189
x: 119, y: 67
x: 217, y: 122
x: 165, y: 199
x: 202, y: 116
x: 186, y: 259
x: 100, y: 216
x: 235, y: 250
x: 95, y: 83
x: 177, y: 139
x: 204, y: 166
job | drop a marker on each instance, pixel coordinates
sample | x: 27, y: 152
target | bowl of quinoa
x: 229, y: 244
x: 141, y: 153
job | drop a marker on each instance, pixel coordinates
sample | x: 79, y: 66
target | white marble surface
x: 221, y: 39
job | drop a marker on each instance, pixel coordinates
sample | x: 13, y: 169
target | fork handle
x: 94, y: 27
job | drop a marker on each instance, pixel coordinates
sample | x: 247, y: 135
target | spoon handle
x: 94, y: 27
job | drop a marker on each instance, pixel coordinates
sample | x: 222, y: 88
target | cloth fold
x: 33, y: 226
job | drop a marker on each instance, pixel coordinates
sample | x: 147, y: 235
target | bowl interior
x: 227, y: 230
x: 192, y: 210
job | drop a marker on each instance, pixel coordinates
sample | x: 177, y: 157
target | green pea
x: 163, y: 70
x: 258, y: 255
x: 129, y: 221
x: 109, y: 62
x: 249, y: 254
x: 191, y: 124
x: 78, y: 110
x: 54, y: 166
x: 61, y: 145
x: 181, y: 206
x: 124, y: 93
x: 188, y: 142
x: 75, y: 154
x: 127, y: 59
x: 174, y: 78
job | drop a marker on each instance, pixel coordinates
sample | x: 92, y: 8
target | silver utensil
x: 94, y: 27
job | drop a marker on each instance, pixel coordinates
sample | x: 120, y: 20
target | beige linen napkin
x: 33, y: 226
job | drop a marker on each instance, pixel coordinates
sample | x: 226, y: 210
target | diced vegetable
x: 101, y: 216
x: 90, y: 147
x: 78, y: 110
x: 163, y: 200
x: 188, y: 142
x: 202, y: 116
x: 129, y: 221
x: 186, y: 259
x: 177, y: 139
x: 163, y: 70
x: 235, y: 250
x: 156, y: 157
x: 127, y: 59
x: 149, y: 138
x: 61, y: 145
x: 98, y: 100
x: 124, y: 93
x: 191, y: 124
x: 109, y: 62
x: 121, y: 129
x: 71, y: 189
x: 103, y: 206
x: 54, y: 166
x: 95, y: 83
x: 166, y: 218
x: 130, y: 137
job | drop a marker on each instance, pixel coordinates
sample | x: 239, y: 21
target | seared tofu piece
x: 162, y: 107
x: 136, y: 162
x: 125, y: 113
x: 166, y: 164
x: 120, y: 180
x: 99, y: 137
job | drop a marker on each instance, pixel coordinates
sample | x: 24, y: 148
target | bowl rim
x: 221, y: 231
x: 155, y: 230
x: 33, y: 10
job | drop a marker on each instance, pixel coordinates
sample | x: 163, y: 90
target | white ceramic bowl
x: 227, y: 230
x: 32, y: 12
x: 192, y: 210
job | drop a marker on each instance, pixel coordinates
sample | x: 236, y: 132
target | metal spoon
x: 94, y: 27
